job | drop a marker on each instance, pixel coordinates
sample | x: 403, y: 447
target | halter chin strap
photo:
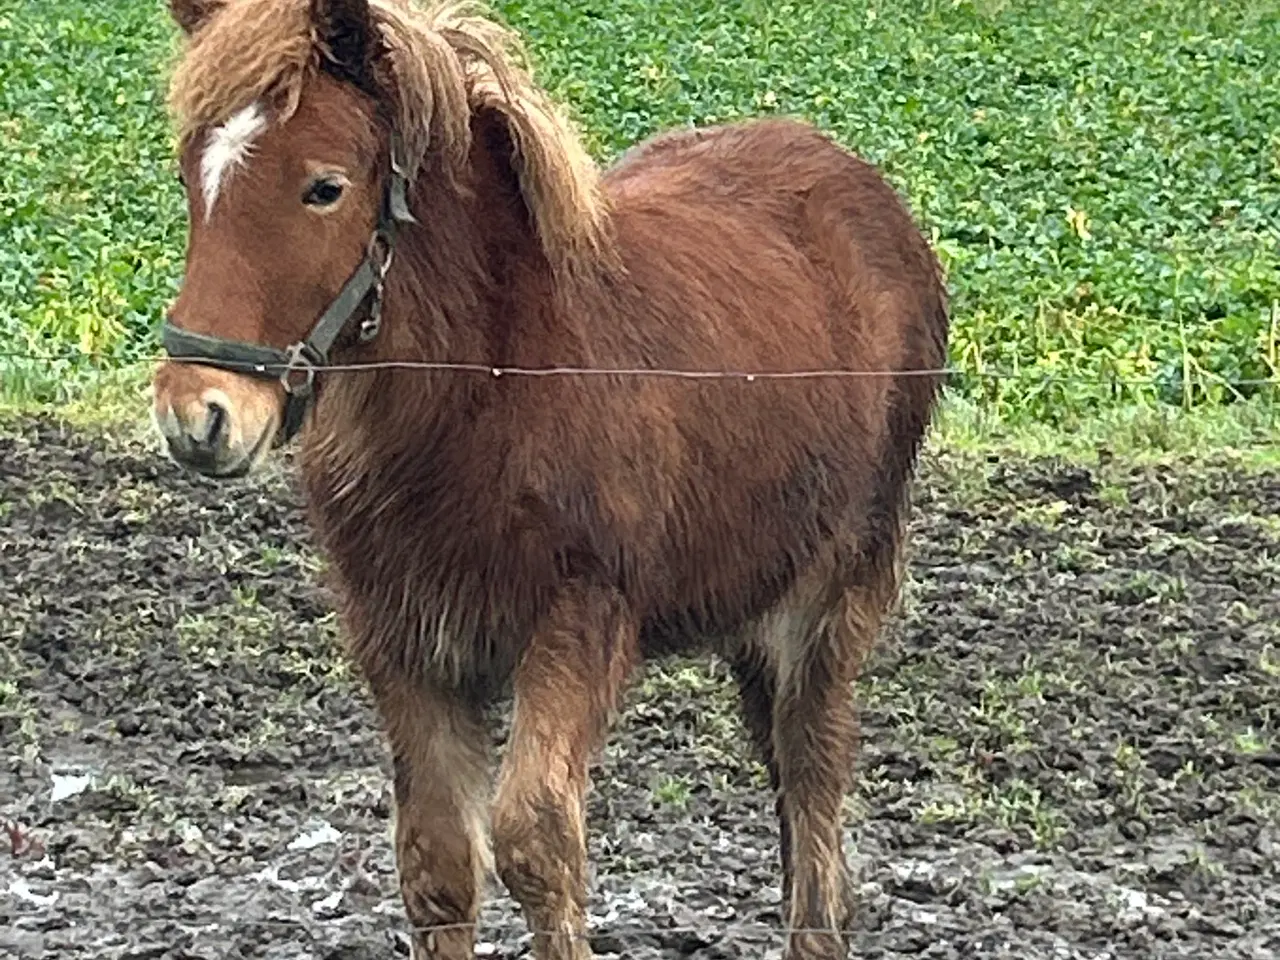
x: 295, y: 366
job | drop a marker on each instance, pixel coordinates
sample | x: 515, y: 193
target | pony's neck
x: 470, y: 284
x: 472, y: 271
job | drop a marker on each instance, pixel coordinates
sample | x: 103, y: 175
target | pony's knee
x: 538, y: 845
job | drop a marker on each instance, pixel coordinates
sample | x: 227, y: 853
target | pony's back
x: 759, y: 247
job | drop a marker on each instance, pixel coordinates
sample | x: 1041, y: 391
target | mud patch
x: 1069, y: 735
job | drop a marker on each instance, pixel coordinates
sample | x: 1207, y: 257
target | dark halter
x: 295, y: 366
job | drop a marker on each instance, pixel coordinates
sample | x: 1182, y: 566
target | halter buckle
x: 371, y: 324
x: 380, y: 253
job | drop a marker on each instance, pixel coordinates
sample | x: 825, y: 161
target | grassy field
x: 1101, y: 179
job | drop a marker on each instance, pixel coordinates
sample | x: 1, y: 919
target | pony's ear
x: 344, y: 30
x: 191, y: 15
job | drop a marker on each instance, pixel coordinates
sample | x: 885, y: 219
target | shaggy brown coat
x: 545, y: 534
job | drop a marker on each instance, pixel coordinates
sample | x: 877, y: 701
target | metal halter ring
x: 298, y: 361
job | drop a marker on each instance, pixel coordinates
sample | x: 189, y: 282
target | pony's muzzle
x: 204, y: 434
x: 197, y: 434
x: 213, y: 433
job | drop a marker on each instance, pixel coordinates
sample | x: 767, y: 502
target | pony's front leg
x: 439, y: 754
x: 567, y: 689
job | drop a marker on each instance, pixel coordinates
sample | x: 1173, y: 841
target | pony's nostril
x: 215, y: 425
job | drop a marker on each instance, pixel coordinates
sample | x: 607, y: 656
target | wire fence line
x: 595, y: 929
x: 749, y: 376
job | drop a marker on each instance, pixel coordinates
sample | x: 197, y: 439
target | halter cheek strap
x: 295, y: 365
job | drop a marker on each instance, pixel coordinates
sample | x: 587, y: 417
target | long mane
x: 434, y: 69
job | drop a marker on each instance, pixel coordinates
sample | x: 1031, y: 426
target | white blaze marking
x: 227, y: 148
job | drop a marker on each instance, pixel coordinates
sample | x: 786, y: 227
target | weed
x: 1269, y: 662
x: 1113, y: 495
x: 673, y: 791
x: 1249, y: 743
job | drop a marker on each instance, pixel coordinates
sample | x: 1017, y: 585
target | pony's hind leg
x: 567, y: 690
x: 439, y: 756
x: 815, y: 738
x: 816, y: 644
x: 757, y: 691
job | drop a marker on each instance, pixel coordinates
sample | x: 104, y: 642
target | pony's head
x: 305, y: 127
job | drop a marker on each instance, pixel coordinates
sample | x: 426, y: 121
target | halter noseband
x: 295, y: 366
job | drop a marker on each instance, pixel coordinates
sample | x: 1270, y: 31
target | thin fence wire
x: 749, y: 376
x: 594, y: 928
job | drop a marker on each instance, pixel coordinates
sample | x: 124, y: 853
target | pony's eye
x: 323, y: 193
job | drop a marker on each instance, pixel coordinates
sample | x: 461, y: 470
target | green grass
x: 1102, y: 180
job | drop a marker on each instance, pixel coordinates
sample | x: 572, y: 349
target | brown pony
x: 395, y: 173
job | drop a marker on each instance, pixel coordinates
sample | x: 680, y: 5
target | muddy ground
x: 1070, y: 733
